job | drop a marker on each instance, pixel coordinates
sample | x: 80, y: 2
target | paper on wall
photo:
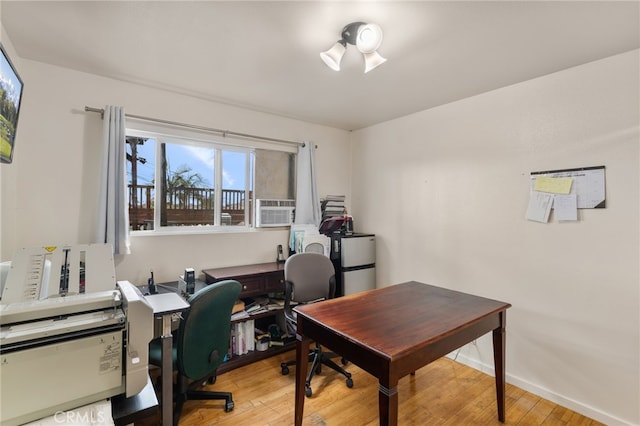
x: 555, y: 185
x: 565, y: 207
x: 539, y: 206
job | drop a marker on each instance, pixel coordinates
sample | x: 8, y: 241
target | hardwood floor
x: 444, y: 392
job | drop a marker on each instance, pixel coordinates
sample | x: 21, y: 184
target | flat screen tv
x: 10, y: 97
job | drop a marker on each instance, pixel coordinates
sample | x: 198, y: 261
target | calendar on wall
x: 587, y: 183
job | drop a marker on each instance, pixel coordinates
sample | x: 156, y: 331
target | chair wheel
x: 307, y: 391
x: 229, y: 406
x: 344, y: 361
x: 349, y: 382
x: 285, y: 369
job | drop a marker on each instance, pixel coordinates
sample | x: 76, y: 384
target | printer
x: 70, y: 335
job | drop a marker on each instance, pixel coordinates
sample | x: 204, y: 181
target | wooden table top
x: 395, y: 320
x: 243, y: 270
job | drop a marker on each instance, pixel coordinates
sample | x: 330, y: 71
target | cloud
x: 204, y: 155
x: 227, y: 179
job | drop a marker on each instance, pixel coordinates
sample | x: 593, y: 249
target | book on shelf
x: 258, y: 306
x: 250, y: 336
x: 238, y: 306
x: 242, y: 338
x: 239, y: 315
x: 277, y: 303
x: 256, y: 309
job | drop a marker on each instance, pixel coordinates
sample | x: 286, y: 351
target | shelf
x: 256, y: 280
x: 269, y: 313
x: 242, y: 360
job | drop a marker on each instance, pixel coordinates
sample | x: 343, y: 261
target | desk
x: 165, y: 306
x: 256, y: 279
x: 393, y: 331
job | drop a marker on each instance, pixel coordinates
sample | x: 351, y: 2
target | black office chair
x: 310, y: 277
x: 200, y: 344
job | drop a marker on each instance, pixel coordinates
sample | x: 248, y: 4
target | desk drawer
x: 251, y: 286
x: 274, y: 283
x: 256, y: 279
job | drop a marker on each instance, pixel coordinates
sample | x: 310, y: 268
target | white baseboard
x: 547, y: 394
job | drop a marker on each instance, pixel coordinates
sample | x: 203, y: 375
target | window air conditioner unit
x: 274, y: 212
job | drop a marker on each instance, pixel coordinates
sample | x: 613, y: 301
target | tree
x: 182, y: 188
x: 184, y: 177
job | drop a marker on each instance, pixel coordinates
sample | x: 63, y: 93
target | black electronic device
x: 151, y: 285
x: 337, y: 225
x: 280, y: 256
x: 190, y: 280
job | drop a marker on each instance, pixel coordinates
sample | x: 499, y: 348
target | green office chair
x: 310, y: 277
x: 201, y: 343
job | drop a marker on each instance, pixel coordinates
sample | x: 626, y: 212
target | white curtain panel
x: 307, y: 198
x: 113, y: 220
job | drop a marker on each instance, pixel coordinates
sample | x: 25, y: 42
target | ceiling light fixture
x: 366, y: 37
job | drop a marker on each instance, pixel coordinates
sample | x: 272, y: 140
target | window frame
x: 220, y: 144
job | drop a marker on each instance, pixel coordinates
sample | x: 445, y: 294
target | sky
x: 199, y: 159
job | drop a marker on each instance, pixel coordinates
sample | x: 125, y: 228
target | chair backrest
x: 203, y: 335
x: 314, y: 248
x: 311, y: 276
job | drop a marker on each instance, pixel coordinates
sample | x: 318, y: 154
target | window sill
x: 203, y: 230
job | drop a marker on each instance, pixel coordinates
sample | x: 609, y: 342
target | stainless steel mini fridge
x: 356, y: 263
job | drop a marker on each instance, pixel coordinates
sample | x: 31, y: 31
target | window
x: 177, y: 183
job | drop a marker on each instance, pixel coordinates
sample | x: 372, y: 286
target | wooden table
x: 393, y: 331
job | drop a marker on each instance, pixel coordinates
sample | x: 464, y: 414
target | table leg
x: 388, y: 404
x: 302, y: 361
x: 499, y: 340
x: 167, y: 372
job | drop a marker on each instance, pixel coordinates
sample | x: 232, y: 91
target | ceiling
x: 264, y: 55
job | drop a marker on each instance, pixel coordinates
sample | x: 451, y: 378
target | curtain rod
x: 193, y: 126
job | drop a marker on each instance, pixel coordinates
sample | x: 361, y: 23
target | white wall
x: 446, y: 191
x: 48, y: 193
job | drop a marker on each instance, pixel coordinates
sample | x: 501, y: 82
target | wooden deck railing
x: 185, y: 206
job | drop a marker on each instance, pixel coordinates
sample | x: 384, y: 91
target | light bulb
x: 333, y: 56
x: 372, y: 60
x: 369, y: 38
